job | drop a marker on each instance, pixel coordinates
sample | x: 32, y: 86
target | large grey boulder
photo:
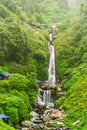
x: 34, y: 114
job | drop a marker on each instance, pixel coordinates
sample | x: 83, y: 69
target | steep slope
x: 19, y: 42
x: 71, y: 66
x: 24, y: 51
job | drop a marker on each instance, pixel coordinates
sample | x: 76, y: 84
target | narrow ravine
x: 44, y: 115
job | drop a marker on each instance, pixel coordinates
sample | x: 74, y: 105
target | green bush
x: 4, y: 126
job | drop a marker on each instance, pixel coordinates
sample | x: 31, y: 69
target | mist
x: 74, y: 3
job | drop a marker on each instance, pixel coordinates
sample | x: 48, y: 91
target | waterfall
x: 44, y: 96
x: 51, y: 69
x: 47, y: 96
x: 51, y: 38
x: 40, y: 97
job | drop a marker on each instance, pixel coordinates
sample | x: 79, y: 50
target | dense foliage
x: 23, y: 51
x: 24, y: 26
x: 71, y: 66
x: 19, y: 42
x: 17, y: 96
x: 3, y: 126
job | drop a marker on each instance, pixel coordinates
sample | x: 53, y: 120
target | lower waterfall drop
x: 44, y: 97
x: 47, y: 96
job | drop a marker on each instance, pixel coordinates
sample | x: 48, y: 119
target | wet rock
x: 61, y: 93
x: 50, y: 105
x: 57, y: 114
x: 26, y: 123
x: 60, y: 123
x: 37, y: 127
x: 48, y: 111
x: 34, y: 114
x: 57, y: 123
x: 44, y: 87
x: 66, y: 128
x: 41, y: 104
x: 59, y: 89
x: 34, y: 118
x: 37, y: 121
x: 46, y: 118
x: 76, y: 122
x: 25, y: 129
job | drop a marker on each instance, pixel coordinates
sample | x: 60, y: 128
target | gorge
x: 29, y: 32
x: 45, y: 114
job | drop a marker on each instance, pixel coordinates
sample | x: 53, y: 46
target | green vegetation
x: 23, y: 53
x: 19, y: 42
x: 17, y: 96
x: 24, y: 29
x: 3, y: 126
x: 71, y: 66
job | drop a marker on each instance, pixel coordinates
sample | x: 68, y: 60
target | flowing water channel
x: 44, y: 96
x: 51, y: 70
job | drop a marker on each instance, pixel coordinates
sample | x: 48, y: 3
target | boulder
x: 76, y: 122
x: 46, y: 118
x: 50, y: 105
x: 34, y: 114
x: 34, y: 118
x: 25, y: 129
x: 37, y: 121
x: 59, y: 89
x: 26, y: 123
x: 56, y: 114
x: 60, y: 123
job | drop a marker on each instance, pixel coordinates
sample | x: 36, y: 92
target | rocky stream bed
x: 45, y: 116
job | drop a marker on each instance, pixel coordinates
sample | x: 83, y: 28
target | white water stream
x: 51, y: 70
x: 47, y: 96
x: 44, y: 96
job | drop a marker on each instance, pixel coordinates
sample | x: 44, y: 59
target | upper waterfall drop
x: 51, y: 38
x: 51, y: 69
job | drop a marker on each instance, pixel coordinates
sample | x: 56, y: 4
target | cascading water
x: 43, y: 118
x: 44, y: 96
x: 47, y: 96
x: 51, y: 70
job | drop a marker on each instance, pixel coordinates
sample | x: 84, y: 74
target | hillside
x: 71, y: 67
x: 24, y: 53
x: 19, y: 42
x: 24, y: 56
